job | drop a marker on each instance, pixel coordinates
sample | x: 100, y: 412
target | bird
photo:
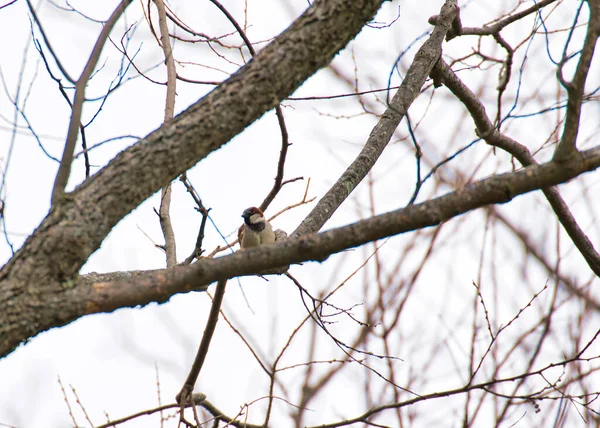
x: 256, y: 229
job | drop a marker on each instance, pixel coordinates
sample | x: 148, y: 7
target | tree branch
x: 495, y: 28
x: 442, y: 73
x: 97, y: 293
x: 211, y: 324
x: 567, y: 145
x: 165, y: 194
x: 424, y: 61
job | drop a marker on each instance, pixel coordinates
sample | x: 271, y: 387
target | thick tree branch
x: 101, y: 293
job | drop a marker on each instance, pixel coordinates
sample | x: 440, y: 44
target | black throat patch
x: 256, y: 227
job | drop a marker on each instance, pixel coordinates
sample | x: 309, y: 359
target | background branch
x: 576, y: 87
x: 442, y: 73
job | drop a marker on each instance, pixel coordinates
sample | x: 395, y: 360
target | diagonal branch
x: 94, y: 294
x: 495, y: 28
x: 211, y: 324
x: 36, y: 19
x: 101, y: 293
x: 425, y: 59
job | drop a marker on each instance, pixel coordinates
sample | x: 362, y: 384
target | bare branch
x: 202, y: 210
x: 410, y: 88
x: 94, y: 295
x: 495, y: 28
x: 165, y: 195
x: 442, y: 73
x: 576, y: 88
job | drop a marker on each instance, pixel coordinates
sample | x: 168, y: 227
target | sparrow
x: 256, y: 230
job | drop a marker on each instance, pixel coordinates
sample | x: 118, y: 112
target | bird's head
x: 253, y: 215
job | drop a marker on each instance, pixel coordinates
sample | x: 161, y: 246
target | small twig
x: 86, y: 156
x: 8, y: 4
x: 220, y: 416
x: 62, y: 388
x: 197, y: 399
x: 297, y: 204
x: 280, y: 164
x: 487, y: 30
x: 418, y: 156
x: 162, y: 418
x: 504, y: 77
x: 81, y: 406
x: 204, y: 211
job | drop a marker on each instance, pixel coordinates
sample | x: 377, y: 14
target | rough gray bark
x: 34, y: 281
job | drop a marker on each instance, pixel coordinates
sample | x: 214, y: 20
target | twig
x: 567, y: 145
x: 87, y: 417
x: 447, y: 393
x: 162, y: 418
x: 62, y: 388
x: 204, y: 211
x: 487, y: 30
